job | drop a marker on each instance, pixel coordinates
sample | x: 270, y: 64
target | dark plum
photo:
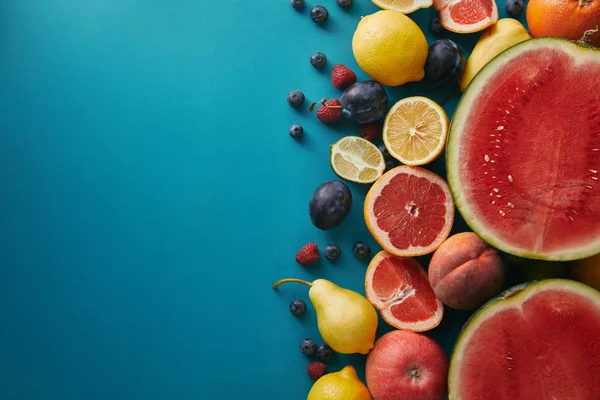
x: 445, y: 63
x: 329, y: 204
x: 365, y: 102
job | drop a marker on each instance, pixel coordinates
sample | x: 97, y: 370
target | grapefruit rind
x: 453, y: 146
x: 514, y: 297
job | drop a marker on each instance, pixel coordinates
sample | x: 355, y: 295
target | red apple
x: 407, y: 366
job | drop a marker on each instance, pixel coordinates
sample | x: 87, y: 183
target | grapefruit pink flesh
x: 524, y: 151
x: 467, y: 16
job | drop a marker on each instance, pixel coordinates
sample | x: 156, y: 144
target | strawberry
x: 370, y: 131
x: 342, y: 76
x: 316, y: 369
x: 330, y: 111
x: 309, y: 254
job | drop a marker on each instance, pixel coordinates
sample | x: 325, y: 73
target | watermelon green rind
x: 510, y: 298
x: 454, y: 141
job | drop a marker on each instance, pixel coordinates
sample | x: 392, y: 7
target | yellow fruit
x: 415, y: 130
x: 390, y: 48
x: 356, y: 160
x: 342, y: 385
x: 506, y: 33
x: 403, y: 6
x: 586, y: 271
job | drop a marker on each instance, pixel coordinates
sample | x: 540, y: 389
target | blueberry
x: 445, y: 63
x: 296, y: 131
x: 435, y: 26
x: 298, y: 307
x: 318, y: 60
x: 297, y: 4
x: 308, y: 347
x: 364, y: 101
x: 324, y: 352
x: 344, y: 3
x: 386, y: 154
x: 319, y: 14
x: 361, y: 250
x: 389, y: 164
x: 295, y: 98
x: 332, y: 252
x: 329, y: 204
x: 514, y: 7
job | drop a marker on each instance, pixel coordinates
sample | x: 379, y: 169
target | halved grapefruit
x: 535, y: 341
x: 523, y: 151
x: 467, y: 16
x: 403, y: 6
x: 409, y: 211
x: 399, y: 289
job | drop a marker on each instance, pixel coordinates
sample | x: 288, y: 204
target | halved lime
x: 357, y: 160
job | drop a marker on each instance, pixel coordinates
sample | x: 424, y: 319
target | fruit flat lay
x: 411, y: 190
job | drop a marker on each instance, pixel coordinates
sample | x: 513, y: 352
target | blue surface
x: 151, y: 195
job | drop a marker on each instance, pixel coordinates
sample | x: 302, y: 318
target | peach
x: 465, y: 272
x: 407, y: 365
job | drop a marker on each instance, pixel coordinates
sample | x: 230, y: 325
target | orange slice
x: 403, y: 6
x: 409, y: 211
x: 467, y: 16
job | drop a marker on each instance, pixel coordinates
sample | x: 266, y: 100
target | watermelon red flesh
x: 530, y: 153
x: 549, y: 348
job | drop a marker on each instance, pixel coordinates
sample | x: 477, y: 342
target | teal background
x: 150, y: 196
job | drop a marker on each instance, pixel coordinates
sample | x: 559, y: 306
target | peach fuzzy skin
x: 465, y: 272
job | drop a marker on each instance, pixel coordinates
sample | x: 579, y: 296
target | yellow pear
x: 342, y: 385
x: 504, y: 34
x: 346, y: 320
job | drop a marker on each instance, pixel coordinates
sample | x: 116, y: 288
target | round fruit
x: 324, y: 352
x: 296, y: 131
x: 435, y: 26
x: 330, y: 204
x: 308, y: 347
x: 316, y: 370
x: 408, y: 366
x: 409, y: 211
x: 586, y: 271
x: 445, y: 63
x: 297, y: 307
x: 297, y: 4
x: 342, y: 385
x: 319, y: 14
x: 415, y: 130
x: 512, y: 177
x: 465, y: 272
x: 399, y: 289
x: 344, y: 3
x: 357, y: 160
x: 403, y: 6
x: 318, y: 60
x: 332, y: 252
x: 390, y: 48
x: 548, y: 329
x: 567, y: 19
x: 295, y: 98
x: 514, y: 7
x: 364, y: 101
x: 361, y: 250
x: 467, y: 16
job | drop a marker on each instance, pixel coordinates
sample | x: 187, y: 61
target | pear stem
x: 278, y: 283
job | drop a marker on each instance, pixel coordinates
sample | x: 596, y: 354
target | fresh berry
x: 445, y: 63
x: 370, y: 131
x: 329, y: 204
x: 297, y: 4
x: 436, y: 27
x: 386, y: 154
x: 308, y: 347
x: 319, y: 14
x: 365, y: 102
x: 344, y: 3
x: 514, y: 7
x: 298, y: 307
x: 295, y: 98
x: 390, y: 164
x: 342, y: 76
x: 316, y: 369
x: 296, y: 131
x: 330, y: 111
x: 361, y: 250
x: 309, y: 254
x: 324, y: 352
x: 332, y: 252
x: 318, y: 60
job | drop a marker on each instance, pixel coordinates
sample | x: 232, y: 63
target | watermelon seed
x: 571, y: 218
x: 487, y: 158
x: 595, y: 178
x: 493, y: 201
x: 499, y: 128
x: 593, y: 171
x: 495, y: 190
x: 502, y: 213
x: 589, y: 186
x: 511, y: 205
x: 510, y: 179
x: 508, y: 358
x: 594, y: 149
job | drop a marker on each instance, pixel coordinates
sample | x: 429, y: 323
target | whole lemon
x: 390, y: 48
x: 342, y: 385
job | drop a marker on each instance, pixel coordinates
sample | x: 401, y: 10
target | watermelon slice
x: 523, y: 153
x: 537, y: 341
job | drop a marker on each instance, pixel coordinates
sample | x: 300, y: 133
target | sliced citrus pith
x: 409, y: 211
x: 399, y: 289
x: 415, y: 130
x: 467, y: 16
x: 357, y: 160
x: 403, y: 6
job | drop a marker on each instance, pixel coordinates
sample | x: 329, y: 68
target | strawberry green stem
x: 278, y: 283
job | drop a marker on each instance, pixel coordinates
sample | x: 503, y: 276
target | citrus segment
x: 357, y: 160
x: 398, y: 287
x: 403, y: 6
x: 415, y: 130
x: 466, y: 16
x: 409, y: 211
